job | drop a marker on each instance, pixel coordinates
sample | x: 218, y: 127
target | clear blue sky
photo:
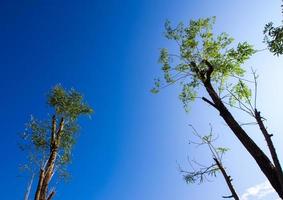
x: 108, y: 50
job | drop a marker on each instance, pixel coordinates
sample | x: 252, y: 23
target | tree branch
x: 209, y: 102
x: 39, y: 186
x: 271, y: 147
x: 259, y: 156
x: 59, y: 132
x: 53, y: 132
x: 227, y: 179
x: 209, y: 70
x: 51, y: 195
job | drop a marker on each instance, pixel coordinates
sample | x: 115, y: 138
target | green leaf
x: 196, y: 43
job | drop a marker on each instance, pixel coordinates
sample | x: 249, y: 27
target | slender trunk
x: 29, y: 187
x: 39, y: 185
x: 228, y: 180
x: 259, y: 156
x: 54, y: 146
x: 48, y: 174
x: 271, y: 147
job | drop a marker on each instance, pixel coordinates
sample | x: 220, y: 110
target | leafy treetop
x: 68, y: 105
x: 274, y: 38
x: 197, y: 45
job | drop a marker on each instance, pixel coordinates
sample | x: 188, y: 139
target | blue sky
x: 108, y: 50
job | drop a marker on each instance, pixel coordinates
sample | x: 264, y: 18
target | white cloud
x: 258, y: 191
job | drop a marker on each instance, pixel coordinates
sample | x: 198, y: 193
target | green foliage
x: 240, y: 91
x: 157, y: 83
x: 220, y: 151
x: 197, y: 43
x: 187, y: 95
x: 202, y: 172
x: 201, y: 175
x: 67, y: 105
x: 39, y: 136
x: 207, y: 139
x: 274, y: 38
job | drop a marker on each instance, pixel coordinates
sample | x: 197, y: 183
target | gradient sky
x: 108, y: 50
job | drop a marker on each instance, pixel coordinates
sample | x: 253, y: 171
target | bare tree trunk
x: 39, y: 185
x: 54, y: 146
x: 271, y: 147
x: 47, y: 173
x: 228, y: 180
x: 259, y: 156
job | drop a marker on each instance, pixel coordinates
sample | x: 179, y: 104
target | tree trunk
x: 259, y: 156
x: 262, y: 160
x: 39, y: 185
x: 47, y: 172
x: 228, y: 180
x: 271, y: 147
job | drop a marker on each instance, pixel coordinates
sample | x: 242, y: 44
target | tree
x: 203, y: 172
x: 213, y: 63
x: 49, y: 143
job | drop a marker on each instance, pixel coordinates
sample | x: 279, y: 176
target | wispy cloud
x: 258, y: 191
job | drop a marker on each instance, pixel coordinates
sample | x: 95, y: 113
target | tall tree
x: 49, y: 143
x: 212, y: 62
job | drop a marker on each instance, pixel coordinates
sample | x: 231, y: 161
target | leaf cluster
x: 240, y: 92
x: 200, y: 172
x: 67, y: 105
x: 274, y: 38
x: 196, y: 44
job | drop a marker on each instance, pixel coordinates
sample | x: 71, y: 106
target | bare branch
x: 209, y: 102
x: 227, y: 179
x: 39, y: 186
x: 249, y: 110
x: 53, y: 132
x: 255, y: 86
x: 203, y: 171
x: 51, y: 195
x: 270, y: 145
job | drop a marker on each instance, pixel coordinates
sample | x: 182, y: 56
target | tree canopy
x: 197, y: 44
x: 213, y: 62
x: 48, y: 146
